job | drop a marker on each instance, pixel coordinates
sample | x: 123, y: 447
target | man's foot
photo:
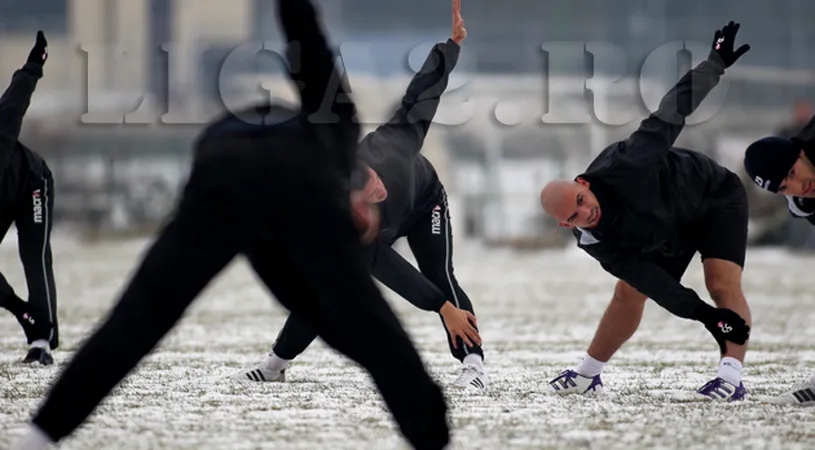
x: 571, y: 382
x: 260, y: 373
x: 472, y: 376
x: 40, y: 355
x: 802, y: 394
x: 720, y: 390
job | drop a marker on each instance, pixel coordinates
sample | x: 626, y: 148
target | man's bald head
x: 554, y: 194
x: 571, y: 203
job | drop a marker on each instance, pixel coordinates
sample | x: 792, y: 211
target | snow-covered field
x: 537, y: 313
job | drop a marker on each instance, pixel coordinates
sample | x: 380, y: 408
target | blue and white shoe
x: 720, y: 390
x: 802, y: 395
x: 571, y: 382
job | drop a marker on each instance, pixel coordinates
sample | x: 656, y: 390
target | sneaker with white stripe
x: 802, y: 394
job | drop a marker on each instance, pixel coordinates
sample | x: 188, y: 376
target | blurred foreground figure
x: 784, y: 165
x: 643, y: 209
x: 248, y: 182
x: 27, y: 200
x: 393, y: 178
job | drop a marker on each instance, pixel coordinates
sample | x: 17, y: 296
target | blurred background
x: 128, y: 84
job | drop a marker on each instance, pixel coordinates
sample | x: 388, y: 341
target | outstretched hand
x: 459, y: 32
x: 723, y: 42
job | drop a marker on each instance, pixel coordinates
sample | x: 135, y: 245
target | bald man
x: 643, y: 208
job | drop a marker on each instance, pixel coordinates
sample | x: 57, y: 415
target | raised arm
x: 323, y: 89
x: 15, y: 100
x: 406, y: 130
x: 658, y: 132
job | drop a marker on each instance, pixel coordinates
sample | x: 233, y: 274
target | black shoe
x: 40, y: 355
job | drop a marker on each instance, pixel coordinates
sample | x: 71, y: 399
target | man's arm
x: 406, y: 130
x: 15, y: 100
x: 403, y: 278
x: 659, y: 286
x: 658, y: 132
x: 313, y: 69
x: 649, y: 279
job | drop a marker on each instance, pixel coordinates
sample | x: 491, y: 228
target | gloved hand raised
x: 723, y: 42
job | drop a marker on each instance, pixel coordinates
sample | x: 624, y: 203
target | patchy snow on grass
x: 537, y: 313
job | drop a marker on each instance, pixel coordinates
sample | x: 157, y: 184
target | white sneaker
x: 472, y: 376
x: 802, y: 394
x: 260, y: 373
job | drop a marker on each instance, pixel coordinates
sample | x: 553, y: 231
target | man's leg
x: 723, y: 281
x: 617, y: 326
x: 33, y: 327
x: 431, y: 241
x: 193, y: 247
x: 292, y: 340
x: 317, y: 271
x: 723, y: 247
x: 34, y: 222
x: 353, y: 318
x: 295, y: 336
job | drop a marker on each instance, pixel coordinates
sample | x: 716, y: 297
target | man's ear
x: 583, y: 182
x: 566, y: 225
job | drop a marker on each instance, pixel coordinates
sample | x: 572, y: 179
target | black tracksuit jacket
x: 17, y: 162
x: 393, y: 151
x: 650, y: 191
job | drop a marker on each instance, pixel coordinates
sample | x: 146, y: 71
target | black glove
x: 725, y: 325
x: 723, y: 42
x: 39, y: 53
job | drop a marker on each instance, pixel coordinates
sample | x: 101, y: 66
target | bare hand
x: 460, y: 324
x: 459, y: 32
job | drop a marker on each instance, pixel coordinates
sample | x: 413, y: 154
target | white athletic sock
x: 730, y: 370
x: 589, y: 367
x: 35, y: 439
x: 474, y: 359
x: 276, y: 363
x: 40, y: 343
x: 812, y: 380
